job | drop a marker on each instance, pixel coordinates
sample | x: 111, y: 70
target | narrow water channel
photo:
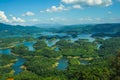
x: 63, y: 62
x: 16, y: 67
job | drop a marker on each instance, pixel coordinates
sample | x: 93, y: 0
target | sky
x: 31, y: 12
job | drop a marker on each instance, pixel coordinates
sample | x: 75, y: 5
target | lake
x: 50, y: 43
x: 83, y: 36
x: 63, y: 64
x: 16, y: 67
x: 29, y: 45
x: 20, y: 61
x: 5, y: 51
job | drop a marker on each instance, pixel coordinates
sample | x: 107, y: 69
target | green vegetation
x: 116, y: 67
x: 74, y: 62
x: 6, y: 59
x: 40, y: 44
x: 6, y: 62
x: 6, y: 30
x: 80, y: 48
x: 21, y: 50
x: 47, y: 52
x: 116, y: 34
x: 109, y: 47
x: 41, y: 64
x: 11, y: 42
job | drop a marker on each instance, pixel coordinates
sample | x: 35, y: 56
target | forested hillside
x: 6, y: 29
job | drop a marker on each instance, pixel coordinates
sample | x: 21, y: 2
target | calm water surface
x: 63, y: 64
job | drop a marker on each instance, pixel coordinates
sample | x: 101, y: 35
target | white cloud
x: 29, y: 13
x: 3, y: 17
x: 77, y: 6
x: 57, y: 19
x: 52, y: 19
x: 41, y: 11
x: 18, y: 20
x: 89, y: 2
x: 86, y: 19
x: 56, y: 9
x: 34, y: 20
x: 11, y: 15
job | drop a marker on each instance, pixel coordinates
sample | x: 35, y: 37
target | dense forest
x: 96, y: 60
x: 41, y: 64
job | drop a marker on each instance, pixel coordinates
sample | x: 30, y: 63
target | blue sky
x: 30, y: 12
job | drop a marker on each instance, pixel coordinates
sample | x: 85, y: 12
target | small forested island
x: 71, y: 54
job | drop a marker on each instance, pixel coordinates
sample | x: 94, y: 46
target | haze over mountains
x: 44, y: 25
x: 6, y: 29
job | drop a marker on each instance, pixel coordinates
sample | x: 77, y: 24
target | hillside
x: 90, y: 28
x: 70, y: 29
x: 6, y: 29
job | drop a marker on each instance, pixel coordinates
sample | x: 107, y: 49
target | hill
x: 6, y: 29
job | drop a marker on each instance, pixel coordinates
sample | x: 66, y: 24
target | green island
x: 41, y: 64
x: 11, y: 42
x: 66, y: 55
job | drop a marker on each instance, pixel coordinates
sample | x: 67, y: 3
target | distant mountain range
x: 91, y: 28
x: 6, y: 29
x: 48, y: 25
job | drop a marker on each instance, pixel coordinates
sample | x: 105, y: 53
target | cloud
x: 86, y: 19
x: 77, y: 7
x: 56, y: 8
x: 89, y: 2
x: 34, y: 20
x: 52, y: 19
x: 41, y: 11
x: 18, y: 20
x: 89, y: 19
x: 59, y: 20
x: 3, y: 17
x: 29, y: 13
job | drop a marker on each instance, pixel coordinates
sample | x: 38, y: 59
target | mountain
x: 6, y: 29
x: 90, y: 28
x: 56, y: 25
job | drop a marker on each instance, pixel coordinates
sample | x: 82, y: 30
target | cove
x: 16, y: 67
x: 63, y: 64
x: 5, y: 51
